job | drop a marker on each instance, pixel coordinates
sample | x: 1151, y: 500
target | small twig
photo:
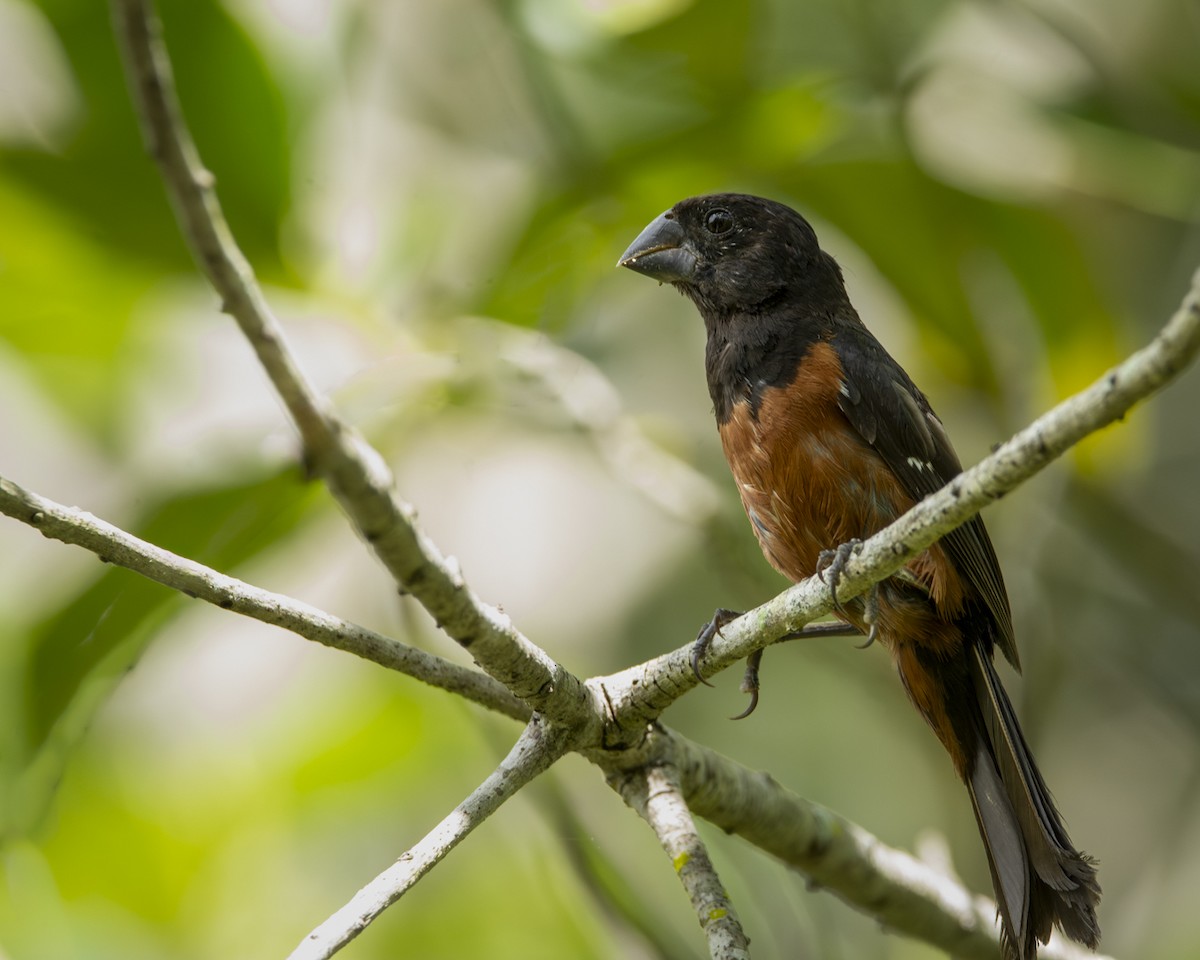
x: 354, y: 471
x: 113, y: 545
x: 655, y: 793
x: 538, y: 747
x: 625, y: 912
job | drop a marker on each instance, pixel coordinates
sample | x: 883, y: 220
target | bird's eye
x: 718, y: 221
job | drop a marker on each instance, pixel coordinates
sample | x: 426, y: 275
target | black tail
x: 1040, y: 879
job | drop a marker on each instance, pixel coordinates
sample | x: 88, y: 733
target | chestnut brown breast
x: 810, y: 482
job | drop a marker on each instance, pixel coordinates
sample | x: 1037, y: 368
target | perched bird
x: 829, y: 440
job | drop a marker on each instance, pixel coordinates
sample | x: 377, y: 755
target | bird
x: 829, y: 440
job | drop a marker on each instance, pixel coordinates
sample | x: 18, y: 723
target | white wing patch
x: 918, y: 464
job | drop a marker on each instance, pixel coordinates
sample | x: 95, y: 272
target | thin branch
x: 640, y: 693
x: 903, y: 893
x: 627, y: 915
x: 113, y: 545
x: 654, y: 792
x: 538, y: 747
x: 356, y: 474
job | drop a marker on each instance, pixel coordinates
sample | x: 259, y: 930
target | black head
x: 734, y: 253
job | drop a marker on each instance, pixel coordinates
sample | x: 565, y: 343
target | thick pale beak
x: 661, y: 251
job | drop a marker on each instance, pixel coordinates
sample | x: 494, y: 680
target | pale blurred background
x: 434, y: 194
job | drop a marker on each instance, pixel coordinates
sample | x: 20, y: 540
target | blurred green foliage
x: 432, y: 190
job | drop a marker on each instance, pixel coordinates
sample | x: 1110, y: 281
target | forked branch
x: 607, y: 718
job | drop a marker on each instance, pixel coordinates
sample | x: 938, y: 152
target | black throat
x: 759, y: 343
x: 746, y: 356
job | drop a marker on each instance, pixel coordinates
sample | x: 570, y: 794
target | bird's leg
x: 750, y: 677
x: 750, y: 684
x: 836, y: 628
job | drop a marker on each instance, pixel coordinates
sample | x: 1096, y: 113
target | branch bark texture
x: 113, y: 545
x: 654, y: 791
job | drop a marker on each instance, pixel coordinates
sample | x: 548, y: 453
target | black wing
x: 893, y: 416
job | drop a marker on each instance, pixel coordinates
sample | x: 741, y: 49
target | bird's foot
x: 812, y: 630
x: 833, y: 562
x: 750, y: 683
x: 720, y: 617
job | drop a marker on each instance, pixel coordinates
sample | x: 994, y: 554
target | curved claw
x: 825, y: 560
x: 750, y: 683
x: 871, y: 635
x: 870, y: 616
x: 720, y: 617
x: 750, y: 709
x: 698, y: 649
